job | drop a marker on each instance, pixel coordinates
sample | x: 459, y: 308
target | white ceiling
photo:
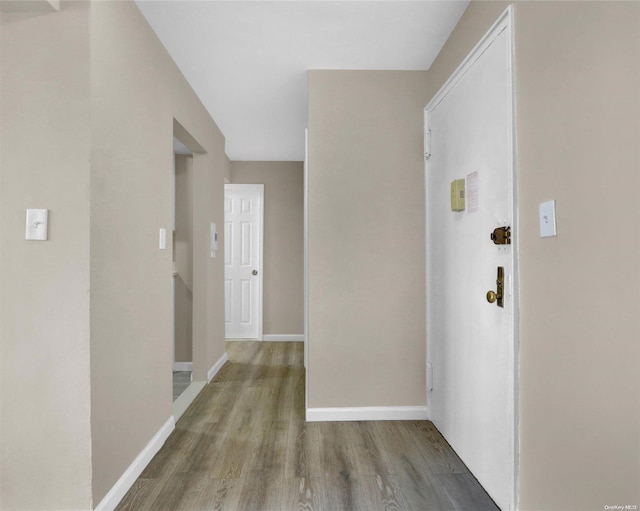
x: 247, y: 61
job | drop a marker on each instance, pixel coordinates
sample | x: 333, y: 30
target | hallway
x: 243, y: 445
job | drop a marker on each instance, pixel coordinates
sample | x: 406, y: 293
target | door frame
x: 505, y: 22
x: 260, y: 189
x: 306, y: 266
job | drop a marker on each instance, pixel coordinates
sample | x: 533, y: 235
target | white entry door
x: 471, y: 341
x: 243, y: 212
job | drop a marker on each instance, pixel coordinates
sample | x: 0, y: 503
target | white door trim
x: 260, y: 189
x: 503, y: 23
x: 261, y: 266
x: 306, y: 266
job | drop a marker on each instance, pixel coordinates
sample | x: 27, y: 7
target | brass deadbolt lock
x: 501, y: 236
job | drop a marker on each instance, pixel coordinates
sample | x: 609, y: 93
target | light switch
x: 37, y: 224
x: 163, y: 239
x: 548, y: 219
x: 213, y: 240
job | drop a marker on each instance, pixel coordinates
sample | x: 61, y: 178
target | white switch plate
x: 163, y: 239
x: 37, y: 224
x: 548, y: 219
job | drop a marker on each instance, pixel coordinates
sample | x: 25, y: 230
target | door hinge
x: 429, y: 377
x: 427, y: 144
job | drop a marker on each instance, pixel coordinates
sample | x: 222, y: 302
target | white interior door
x: 471, y: 341
x: 243, y: 212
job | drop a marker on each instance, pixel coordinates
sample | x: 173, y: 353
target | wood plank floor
x: 243, y: 445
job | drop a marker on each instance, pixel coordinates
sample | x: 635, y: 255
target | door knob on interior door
x: 254, y: 272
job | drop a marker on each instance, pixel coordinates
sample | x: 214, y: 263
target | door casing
x: 306, y: 267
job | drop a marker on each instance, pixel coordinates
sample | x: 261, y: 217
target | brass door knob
x: 497, y: 295
x: 254, y: 272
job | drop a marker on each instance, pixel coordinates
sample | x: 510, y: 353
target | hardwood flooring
x: 243, y: 445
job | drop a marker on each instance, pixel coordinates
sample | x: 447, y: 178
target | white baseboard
x: 183, y: 366
x: 367, y: 413
x: 115, y: 494
x: 284, y: 337
x: 216, y: 367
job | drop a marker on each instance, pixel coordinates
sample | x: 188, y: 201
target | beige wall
x: 578, y: 103
x: 89, y: 98
x: 578, y: 127
x: 137, y: 91
x: 283, y: 241
x: 577, y: 118
x: 45, y: 449
x: 183, y: 325
x: 183, y: 259
x: 366, y: 239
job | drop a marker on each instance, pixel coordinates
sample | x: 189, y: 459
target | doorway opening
x: 188, y: 348
x: 182, y: 268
